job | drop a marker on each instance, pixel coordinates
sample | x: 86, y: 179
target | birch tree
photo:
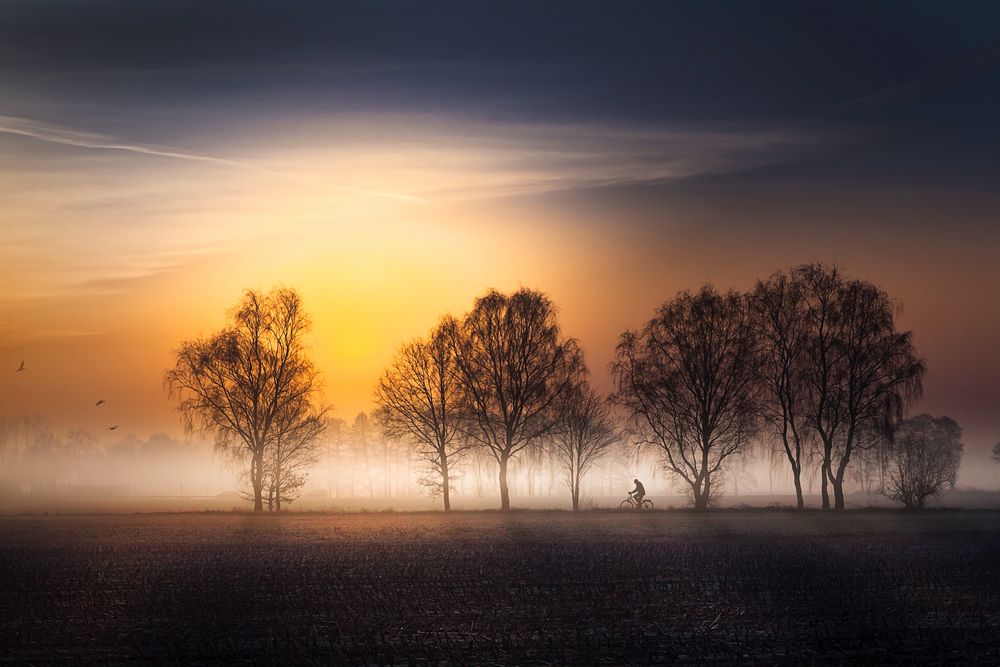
x: 585, y: 433
x: 418, y: 401
x: 688, y: 380
x: 513, y: 366
x: 238, y: 383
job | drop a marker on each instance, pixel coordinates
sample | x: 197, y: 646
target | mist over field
x: 161, y: 473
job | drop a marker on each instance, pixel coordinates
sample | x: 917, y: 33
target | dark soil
x: 727, y: 587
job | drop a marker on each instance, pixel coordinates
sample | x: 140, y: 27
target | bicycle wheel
x: 626, y: 505
x: 647, y: 504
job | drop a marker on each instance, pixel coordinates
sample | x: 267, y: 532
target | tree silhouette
x: 247, y: 384
x: 418, y: 400
x: 295, y: 448
x: 513, y: 365
x: 995, y: 453
x: 925, y: 453
x: 783, y: 336
x: 689, y: 382
x: 860, y: 372
x: 585, y: 432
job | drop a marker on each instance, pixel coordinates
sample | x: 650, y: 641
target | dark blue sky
x: 888, y: 65
x: 918, y: 82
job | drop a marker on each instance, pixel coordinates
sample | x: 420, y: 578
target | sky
x: 392, y: 160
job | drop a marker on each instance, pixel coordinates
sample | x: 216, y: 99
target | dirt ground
x: 727, y: 586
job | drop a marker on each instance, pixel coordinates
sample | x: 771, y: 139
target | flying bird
x: 113, y: 428
x: 20, y: 368
x: 100, y: 402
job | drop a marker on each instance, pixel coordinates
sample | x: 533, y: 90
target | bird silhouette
x: 100, y: 402
x: 20, y: 368
x: 113, y: 428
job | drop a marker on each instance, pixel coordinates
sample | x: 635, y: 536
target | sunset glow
x: 132, y: 221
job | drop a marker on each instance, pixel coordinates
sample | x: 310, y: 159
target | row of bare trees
x: 499, y: 380
x: 809, y: 363
x: 502, y: 379
x: 809, y: 359
x: 847, y: 372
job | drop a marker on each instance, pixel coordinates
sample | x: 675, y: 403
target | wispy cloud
x: 539, y: 159
x: 470, y: 159
x: 464, y: 159
x: 25, y: 127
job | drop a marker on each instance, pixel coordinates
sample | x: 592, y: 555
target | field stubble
x: 525, y: 587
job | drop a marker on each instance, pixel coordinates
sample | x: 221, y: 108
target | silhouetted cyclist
x: 638, y: 493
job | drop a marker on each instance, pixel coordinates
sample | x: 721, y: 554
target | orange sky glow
x: 112, y: 253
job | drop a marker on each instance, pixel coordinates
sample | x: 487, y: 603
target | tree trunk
x: 504, y: 491
x: 445, y: 491
x: 797, y: 478
x: 838, y: 479
x: 698, y: 491
x: 825, y: 479
x: 256, y: 469
x: 838, y: 491
x: 794, y: 456
x: 576, y: 491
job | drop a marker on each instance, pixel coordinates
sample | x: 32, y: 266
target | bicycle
x: 630, y: 504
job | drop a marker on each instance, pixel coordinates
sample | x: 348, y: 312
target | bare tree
x: 995, y: 453
x: 782, y: 333
x: 513, y: 365
x: 239, y: 383
x: 295, y: 448
x: 418, y: 400
x: 585, y: 432
x: 860, y: 371
x: 821, y: 290
x: 925, y: 453
x: 689, y: 382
